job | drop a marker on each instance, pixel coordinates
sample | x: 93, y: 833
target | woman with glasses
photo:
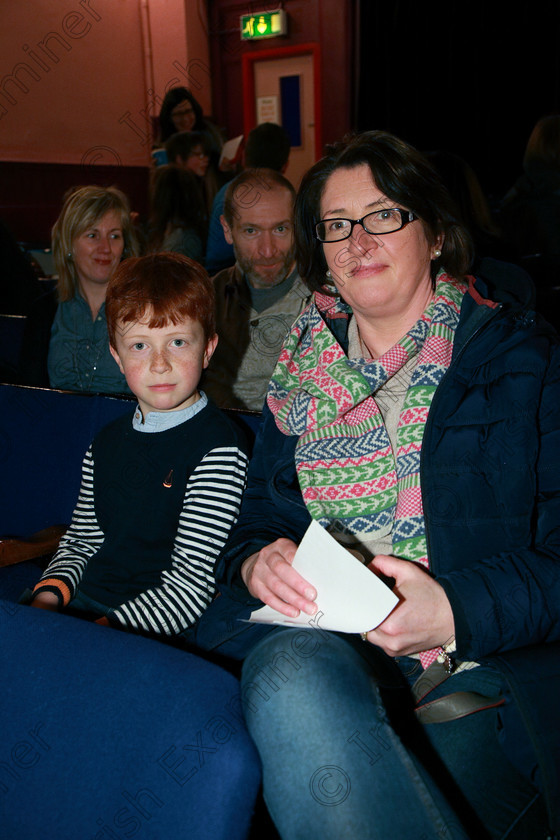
x: 180, y: 111
x: 415, y: 414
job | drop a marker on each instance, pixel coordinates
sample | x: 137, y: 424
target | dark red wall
x: 328, y: 23
x: 31, y: 194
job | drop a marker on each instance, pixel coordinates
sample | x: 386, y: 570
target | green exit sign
x: 263, y: 25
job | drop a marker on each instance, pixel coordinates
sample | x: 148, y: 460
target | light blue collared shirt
x: 160, y: 421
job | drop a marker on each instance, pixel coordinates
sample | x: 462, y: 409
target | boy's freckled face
x: 163, y: 365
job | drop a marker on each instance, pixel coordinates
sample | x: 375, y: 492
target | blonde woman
x: 66, y: 344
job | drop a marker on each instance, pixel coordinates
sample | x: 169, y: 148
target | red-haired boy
x: 161, y: 489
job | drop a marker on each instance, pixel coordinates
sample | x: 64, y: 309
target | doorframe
x: 249, y: 105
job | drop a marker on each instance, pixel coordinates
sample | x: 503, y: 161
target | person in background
x: 180, y: 112
x: 268, y: 147
x: 190, y: 150
x: 530, y: 211
x: 65, y: 343
x: 259, y: 297
x: 414, y: 414
x: 161, y: 486
x: 475, y: 214
x: 530, y: 214
x: 177, y: 213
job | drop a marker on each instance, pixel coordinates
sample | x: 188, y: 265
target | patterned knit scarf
x: 351, y: 480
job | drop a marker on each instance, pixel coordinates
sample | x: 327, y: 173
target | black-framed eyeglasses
x: 380, y: 222
x: 183, y: 112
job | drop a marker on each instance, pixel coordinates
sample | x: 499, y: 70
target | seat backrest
x: 44, y: 435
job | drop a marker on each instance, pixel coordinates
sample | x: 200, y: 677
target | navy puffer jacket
x: 490, y: 476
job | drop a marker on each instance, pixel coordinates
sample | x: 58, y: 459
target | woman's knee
x: 298, y: 675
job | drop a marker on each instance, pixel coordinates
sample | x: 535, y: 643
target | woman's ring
x: 364, y: 637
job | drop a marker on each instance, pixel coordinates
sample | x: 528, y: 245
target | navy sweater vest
x: 139, y: 487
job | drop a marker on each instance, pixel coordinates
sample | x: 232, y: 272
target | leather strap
x: 455, y: 706
x: 452, y: 706
x: 433, y: 676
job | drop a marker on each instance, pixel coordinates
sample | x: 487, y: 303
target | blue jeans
x: 344, y: 757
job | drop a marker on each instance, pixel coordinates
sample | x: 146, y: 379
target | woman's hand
x: 269, y: 576
x: 422, y: 620
x: 45, y: 601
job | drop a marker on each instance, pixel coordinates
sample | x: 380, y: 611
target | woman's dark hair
x: 173, y: 98
x: 405, y: 176
x: 176, y: 199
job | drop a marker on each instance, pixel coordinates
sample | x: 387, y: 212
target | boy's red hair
x: 170, y: 286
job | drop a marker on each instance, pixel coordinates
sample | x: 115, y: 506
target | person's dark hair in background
x: 530, y: 214
x: 530, y: 211
x: 475, y: 214
x: 180, y: 146
x: 268, y: 147
x: 543, y: 146
x: 177, y: 213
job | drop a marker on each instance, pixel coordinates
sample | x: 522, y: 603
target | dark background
x: 471, y: 78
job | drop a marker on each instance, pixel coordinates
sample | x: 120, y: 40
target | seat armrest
x: 30, y: 548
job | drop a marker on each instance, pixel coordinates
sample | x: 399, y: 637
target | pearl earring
x: 437, y: 254
x: 329, y: 275
x: 69, y: 255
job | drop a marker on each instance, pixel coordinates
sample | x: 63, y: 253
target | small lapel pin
x: 168, y: 481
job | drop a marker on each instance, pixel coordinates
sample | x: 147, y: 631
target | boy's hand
x: 45, y: 601
x: 103, y: 621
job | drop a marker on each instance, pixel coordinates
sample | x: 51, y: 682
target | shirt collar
x: 161, y: 421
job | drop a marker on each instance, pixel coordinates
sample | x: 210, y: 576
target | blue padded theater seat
x: 108, y: 735
x: 103, y: 734
x: 44, y: 436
